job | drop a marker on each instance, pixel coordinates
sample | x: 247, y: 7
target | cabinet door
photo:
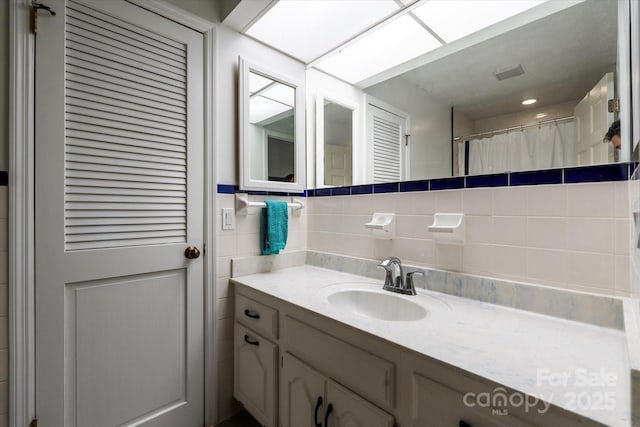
x: 255, y: 367
x: 346, y: 409
x: 435, y: 405
x: 301, y: 394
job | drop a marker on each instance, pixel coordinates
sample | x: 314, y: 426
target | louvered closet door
x: 119, y: 197
x: 385, y: 134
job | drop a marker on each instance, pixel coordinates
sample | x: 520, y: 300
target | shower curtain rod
x: 491, y: 132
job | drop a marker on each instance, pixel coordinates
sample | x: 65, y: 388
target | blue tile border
x: 454, y: 183
x: 4, y: 178
x: 494, y: 180
x: 572, y: 175
x: 549, y: 176
x: 615, y: 172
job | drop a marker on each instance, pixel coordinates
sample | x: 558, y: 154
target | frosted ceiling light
x: 281, y: 93
x: 529, y: 101
x: 399, y: 41
x: 541, y: 115
x: 257, y: 82
x: 308, y: 29
x: 453, y: 20
x: 261, y: 109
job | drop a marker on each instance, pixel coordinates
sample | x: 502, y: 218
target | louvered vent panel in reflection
x: 125, y: 160
x: 387, y: 146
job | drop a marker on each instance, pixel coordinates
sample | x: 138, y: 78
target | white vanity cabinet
x: 256, y: 359
x: 308, y: 399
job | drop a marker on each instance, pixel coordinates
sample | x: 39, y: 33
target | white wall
x: 230, y: 45
x: 209, y: 10
x: 504, y: 121
x: 430, y: 143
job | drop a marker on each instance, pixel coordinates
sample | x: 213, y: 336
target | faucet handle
x: 409, y: 283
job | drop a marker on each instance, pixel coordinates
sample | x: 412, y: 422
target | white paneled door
x: 119, y: 199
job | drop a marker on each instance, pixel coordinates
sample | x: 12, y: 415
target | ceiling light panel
x: 261, y: 109
x: 308, y: 29
x: 399, y: 41
x: 452, y: 20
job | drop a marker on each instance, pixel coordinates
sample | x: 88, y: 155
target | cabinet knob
x: 326, y: 416
x: 315, y: 413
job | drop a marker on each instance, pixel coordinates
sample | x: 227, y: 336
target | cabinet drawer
x: 254, y: 382
x: 436, y: 405
x: 359, y: 370
x: 259, y: 317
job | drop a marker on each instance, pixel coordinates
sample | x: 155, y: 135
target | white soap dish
x: 382, y: 225
x: 448, y: 228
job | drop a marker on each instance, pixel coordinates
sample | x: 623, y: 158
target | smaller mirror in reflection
x: 271, y: 129
x: 338, y: 144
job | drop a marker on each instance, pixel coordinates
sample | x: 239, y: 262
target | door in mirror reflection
x: 338, y: 144
x: 271, y: 129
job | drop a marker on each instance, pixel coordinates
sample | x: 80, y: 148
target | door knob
x: 192, y: 252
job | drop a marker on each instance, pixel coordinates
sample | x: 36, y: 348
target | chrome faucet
x: 394, y: 281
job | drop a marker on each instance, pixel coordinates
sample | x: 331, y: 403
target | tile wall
x: 573, y: 236
x: 243, y: 241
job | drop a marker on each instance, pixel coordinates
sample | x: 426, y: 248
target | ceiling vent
x: 507, y: 73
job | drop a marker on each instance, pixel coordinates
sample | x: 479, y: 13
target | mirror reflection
x: 338, y: 144
x: 271, y: 129
x: 535, y: 91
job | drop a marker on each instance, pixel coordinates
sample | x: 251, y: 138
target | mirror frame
x: 248, y: 183
x: 356, y: 164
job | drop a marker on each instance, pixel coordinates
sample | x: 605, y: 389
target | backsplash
x: 574, y: 236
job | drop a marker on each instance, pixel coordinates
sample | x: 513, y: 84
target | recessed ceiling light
x: 529, y: 101
x: 541, y: 115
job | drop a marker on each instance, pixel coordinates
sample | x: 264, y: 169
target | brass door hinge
x: 35, y: 7
x: 614, y: 105
x: 34, y: 422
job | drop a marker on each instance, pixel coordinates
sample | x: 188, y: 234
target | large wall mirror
x: 272, y: 146
x: 530, y: 92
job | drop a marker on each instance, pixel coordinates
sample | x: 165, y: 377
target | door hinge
x: 35, y: 7
x: 614, y: 105
x: 34, y: 422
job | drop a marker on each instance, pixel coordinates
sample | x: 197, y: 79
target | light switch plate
x: 228, y: 219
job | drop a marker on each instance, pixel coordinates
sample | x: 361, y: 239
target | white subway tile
x: 4, y: 332
x: 622, y: 209
x: 623, y: 239
x: 477, y: 258
x: 479, y: 229
x: 547, y: 265
x: 509, y: 201
x: 509, y: 261
x: 248, y: 244
x: 227, y: 405
x: 510, y: 230
x: 223, y: 266
x: 477, y: 201
x: 548, y: 233
x: 591, y: 270
x: 225, y: 201
x: 248, y: 224
x: 591, y: 199
x: 590, y: 235
x: 224, y: 307
x: 4, y: 235
x: 413, y: 226
x: 4, y: 365
x: 413, y: 203
x: 449, y: 201
x: 223, y: 287
x: 449, y: 257
x: 4, y: 300
x: 225, y: 245
x: 622, y: 275
x: 4, y: 267
x: 547, y: 200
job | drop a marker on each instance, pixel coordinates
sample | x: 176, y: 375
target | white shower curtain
x: 543, y: 147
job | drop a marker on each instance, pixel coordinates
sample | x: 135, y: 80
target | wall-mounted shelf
x: 382, y: 226
x: 243, y: 204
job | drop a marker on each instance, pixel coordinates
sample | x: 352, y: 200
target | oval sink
x: 378, y: 304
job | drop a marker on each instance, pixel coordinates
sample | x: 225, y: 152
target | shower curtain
x: 543, y: 147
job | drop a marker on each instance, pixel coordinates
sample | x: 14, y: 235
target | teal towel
x: 274, y: 227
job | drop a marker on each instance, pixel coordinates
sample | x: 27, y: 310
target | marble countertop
x: 576, y: 366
